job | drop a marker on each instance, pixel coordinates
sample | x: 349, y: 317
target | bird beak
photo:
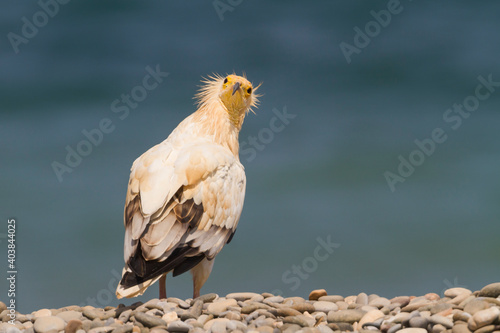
x: 236, y: 87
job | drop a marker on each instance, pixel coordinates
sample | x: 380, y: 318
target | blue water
x: 321, y: 176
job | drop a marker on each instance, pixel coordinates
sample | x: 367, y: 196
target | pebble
x: 148, y: 320
x: 476, y: 305
x: 70, y: 315
x: 123, y: 329
x: 362, y: 299
x: 440, y: 320
x: 459, y: 311
x: 394, y: 328
x: 437, y: 308
x: 207, y: 298
x: 221, y: 305
x: 491, y: 290
x: 298, y: 320
x: 93, y: 313
x: 179, y: 326
x: 216, y: 325
x: 486, y: 329
x: 484, y: 317
x: 48, y: 323
x: 379, y: 302
x: 438, y: 328
x: 244, y: 296
x: 170, y: 317
x: 331, y: 298
x: 419, y: 322
x: 462, y: 328
x: 72, y: 326
x: 325, y: 306
x: 345, y: 316
x: 42, y: 313
x: 316, y: 294
x: 303, y: 307
x: 454, y: 292
x: 371, y: 317
x: 102, y: 329
x: 274, y: 299
x: 412, y: 330
x: 2, y: 306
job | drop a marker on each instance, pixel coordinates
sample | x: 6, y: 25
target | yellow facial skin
x: 237, y: 96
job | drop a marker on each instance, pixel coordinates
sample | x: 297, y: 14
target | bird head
x: 236, y: 94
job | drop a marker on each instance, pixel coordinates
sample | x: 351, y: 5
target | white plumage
x: 185, y: 195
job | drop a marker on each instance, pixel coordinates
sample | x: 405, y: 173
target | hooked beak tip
x: 236, y: 87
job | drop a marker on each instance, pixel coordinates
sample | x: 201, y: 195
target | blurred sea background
x: 320, y: 176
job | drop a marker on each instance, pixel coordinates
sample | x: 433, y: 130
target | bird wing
x: 183, y: 205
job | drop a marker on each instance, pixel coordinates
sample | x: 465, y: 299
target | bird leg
x: 201, y: 273
x: 163, y: 287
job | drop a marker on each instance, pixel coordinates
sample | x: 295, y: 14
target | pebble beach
x: 459, y: 310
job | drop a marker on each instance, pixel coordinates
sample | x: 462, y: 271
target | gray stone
x: 70, y: 315
x: 476, y: 305
x: 284, y: 312
x: 486, y: 329
x: 345, y: 316
x: 379, y: 302
x: 394, y: 328
x: 419, y: 322
x: 291, y: 328
x: 274, y: 299
x: 371, y: 316
x: 196, y: 308
x: 2, y: 307
x: 362, y: 299
x: 125, y: 315
x: 460, y: 329
x: 486, y: 317
x: 153, y: 304
x: 182, y: 304
x: 123, y: 329
x: 72, y: 326
x: 454, y: 292
x: 491, y: 290
x: 303, y: 307
x: 9, y: 328
x: 93, y: 313
x: 331, y: 298
x: 42, y: 313
x: 401, y: 300
x: 179, y: 326
x: 149, y: 321
x: 438, y: 328
x: 440, y: 320
x: 436, y: 308
x: 461, y: 316
x: 243, y: 296
x: 216, y: 325
x: 297, y: 320
x: 247, y: 309
x: 412, y: 330
x: 221, y: 305
x: 46, y: 324
x: 104, y: 329
x: 325, y: 306
x: 207, y: 298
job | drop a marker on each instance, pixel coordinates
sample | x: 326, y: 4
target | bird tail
x: 130, y: 287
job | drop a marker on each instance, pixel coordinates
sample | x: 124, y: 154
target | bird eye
x: 249, y: 90
x: 225, y: 80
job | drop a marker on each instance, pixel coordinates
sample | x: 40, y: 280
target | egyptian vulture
x: 185, y: 195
